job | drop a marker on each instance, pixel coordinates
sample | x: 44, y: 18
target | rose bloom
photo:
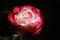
x: 27, y: 18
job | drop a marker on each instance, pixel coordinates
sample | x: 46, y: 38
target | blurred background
x: 48, y: 9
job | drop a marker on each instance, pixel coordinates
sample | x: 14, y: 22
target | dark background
x: 48, y: 9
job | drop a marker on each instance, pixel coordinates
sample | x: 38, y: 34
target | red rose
x: 26, y: 18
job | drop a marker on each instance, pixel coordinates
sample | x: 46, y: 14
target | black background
x: 48, y: 9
